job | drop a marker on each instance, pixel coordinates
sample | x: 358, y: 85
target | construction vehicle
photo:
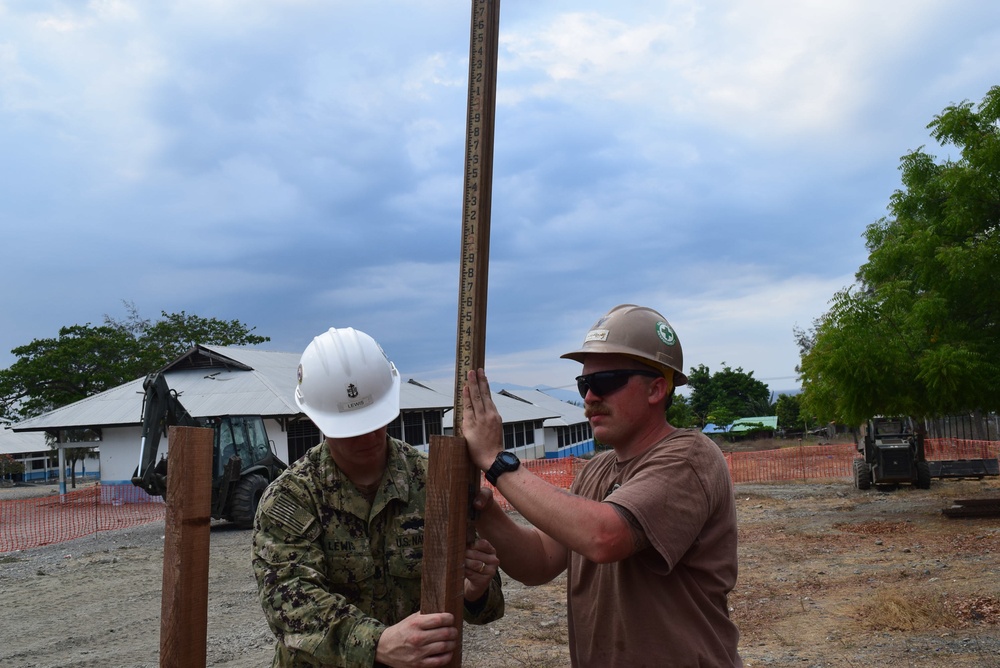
x: 892, y: 452
x: 243, y: 458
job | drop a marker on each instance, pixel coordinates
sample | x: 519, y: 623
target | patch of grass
x: 9, y: 559
x: 895, y: 612
x: 555, y: 636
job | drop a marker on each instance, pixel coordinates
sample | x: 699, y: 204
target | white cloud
x: 760, y: 69
x: 304, y: 158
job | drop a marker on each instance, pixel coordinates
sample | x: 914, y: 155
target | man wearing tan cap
x: 647, y: 531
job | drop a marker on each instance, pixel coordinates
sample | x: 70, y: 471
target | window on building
x: 518, y: 435
x: 416, y: 427
x: 302, y: 435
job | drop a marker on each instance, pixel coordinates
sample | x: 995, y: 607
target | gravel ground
x: 830, y: 577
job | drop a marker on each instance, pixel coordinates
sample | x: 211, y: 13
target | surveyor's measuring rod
x: 478, y: 191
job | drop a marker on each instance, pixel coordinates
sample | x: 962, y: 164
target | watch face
x: 508, y: 458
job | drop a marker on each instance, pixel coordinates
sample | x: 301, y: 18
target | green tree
x: 732, y: 393
x: 788, y: 408
x: 720, y: 416
x: 49, y: 373
x: 157, y: 343
x: 84, y: 360
x: 10, y: 467
x: 919, y: 333
x: 680, y: 414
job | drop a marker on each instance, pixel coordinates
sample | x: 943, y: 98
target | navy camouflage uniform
x: 333, y: 571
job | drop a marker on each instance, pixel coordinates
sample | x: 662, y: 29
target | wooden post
x: 445, y: 519
x: 184, y: 599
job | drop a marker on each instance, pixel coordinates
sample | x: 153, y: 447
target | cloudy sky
x: 298, y: 164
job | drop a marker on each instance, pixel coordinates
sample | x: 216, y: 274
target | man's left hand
x: 481, y: 564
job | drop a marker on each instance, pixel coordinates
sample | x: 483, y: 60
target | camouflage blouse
x: 333, y: 571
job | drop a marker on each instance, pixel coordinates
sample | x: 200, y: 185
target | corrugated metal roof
x: 511, y: 409
x: 14, y: 443
x: 566, y: 413
x: 121, y: 405
x: 211, y: 380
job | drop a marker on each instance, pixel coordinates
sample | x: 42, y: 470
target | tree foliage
x: 85, y: 359
x: 788, y: 408
x: 727, y: 395
x: 10, y: 467
x: 680, y: 414
x: 919, y: 333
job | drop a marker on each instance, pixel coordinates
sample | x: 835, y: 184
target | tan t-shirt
x: 666, y: 606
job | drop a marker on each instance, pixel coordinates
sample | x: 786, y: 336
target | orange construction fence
x: 803, y: 462
x: 940, y: 449
x: 26, y: 523
x: 41, y: 521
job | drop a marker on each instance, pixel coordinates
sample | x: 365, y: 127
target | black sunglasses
x: 603, y: 383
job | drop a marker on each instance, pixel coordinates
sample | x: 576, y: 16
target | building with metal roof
x: 39, y: 460
x: 567, y: 433
x: 536, y: 425
x: 523, y: 430
x: 213, y: 381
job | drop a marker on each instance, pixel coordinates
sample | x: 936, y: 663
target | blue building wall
x: 576, y: 450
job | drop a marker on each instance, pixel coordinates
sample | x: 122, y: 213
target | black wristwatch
x: 505, y: 462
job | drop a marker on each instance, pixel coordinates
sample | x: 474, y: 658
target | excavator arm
x: 160, y: 409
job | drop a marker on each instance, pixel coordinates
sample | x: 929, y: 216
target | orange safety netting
x: 53, y: 519
x: 938, y: 449
x: 26, y: 523
x: 797, y: 463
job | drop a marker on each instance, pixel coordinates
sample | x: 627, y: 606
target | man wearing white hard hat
x: 338, y: 538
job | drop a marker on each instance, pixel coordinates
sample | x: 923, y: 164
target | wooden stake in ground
x: 452, y: 479
x: 184, y: 600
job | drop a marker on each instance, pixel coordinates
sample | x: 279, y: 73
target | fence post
x: 184, y: 598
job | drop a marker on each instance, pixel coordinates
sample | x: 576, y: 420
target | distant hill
x: 790, y: 392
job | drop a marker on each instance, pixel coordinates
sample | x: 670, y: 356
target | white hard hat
x: 347, y: 386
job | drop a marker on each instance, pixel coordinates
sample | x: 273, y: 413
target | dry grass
x: 892, y: 611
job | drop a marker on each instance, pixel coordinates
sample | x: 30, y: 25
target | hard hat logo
x: 666, y: 333
x: 352, y: 390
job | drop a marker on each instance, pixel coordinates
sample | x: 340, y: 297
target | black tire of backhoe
x: 246, y: 496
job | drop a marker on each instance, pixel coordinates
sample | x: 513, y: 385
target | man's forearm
x: 521, y: 549
x: 590, y: 528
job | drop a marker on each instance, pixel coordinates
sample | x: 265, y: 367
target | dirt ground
x: 829, y: 577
